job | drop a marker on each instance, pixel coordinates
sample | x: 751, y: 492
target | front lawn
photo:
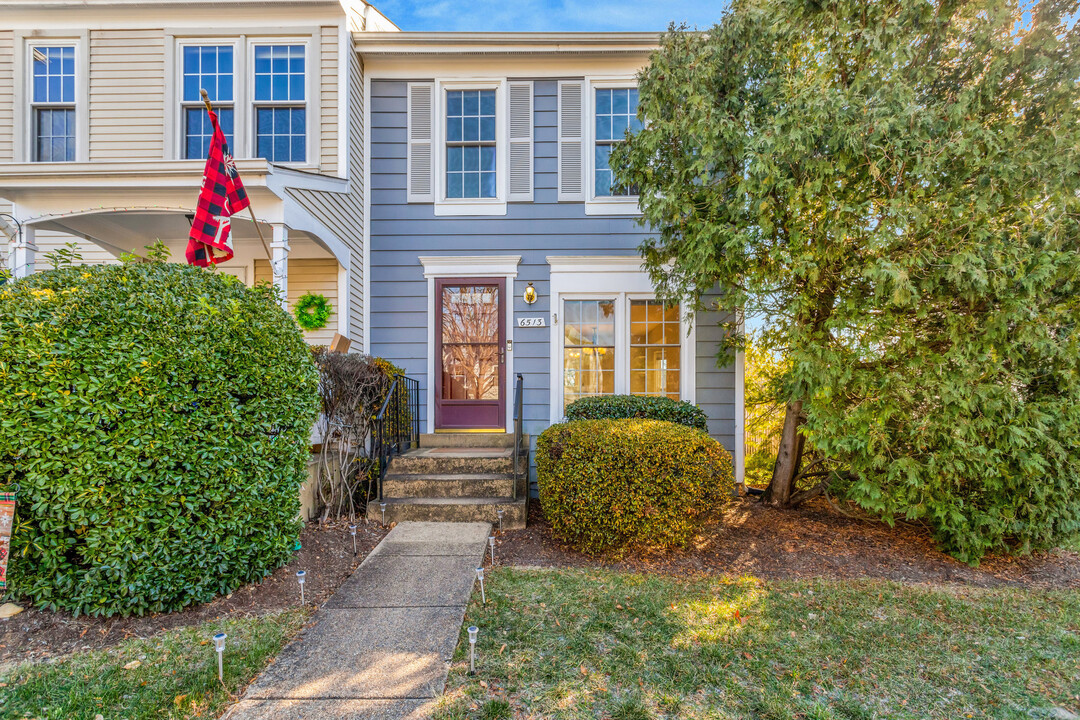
x: 171, y: 675
x: 599, y: 644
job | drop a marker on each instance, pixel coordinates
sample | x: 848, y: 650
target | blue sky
x: 548, y: 15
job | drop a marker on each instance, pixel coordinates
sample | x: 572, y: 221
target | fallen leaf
x: 502, y: 648
x: 133, y: 664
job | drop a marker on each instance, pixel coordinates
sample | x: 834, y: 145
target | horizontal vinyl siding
x: 400, y: 232
x: 328, y: 100
x: 7, y: 97
x: 318, y: 277
x: 127, y: 94
x: 343, y: 213
x: 49, y: 240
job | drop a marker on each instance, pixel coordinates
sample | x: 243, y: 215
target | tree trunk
x: 787, y: 459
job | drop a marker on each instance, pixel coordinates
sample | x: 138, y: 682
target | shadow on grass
x: 594, y: 644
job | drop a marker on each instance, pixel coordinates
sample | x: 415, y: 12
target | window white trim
x: 602, y: 205
x: 505, y: 266
x: 609, y: 277
x: 470, y: 206
x: 176, y: 134
x: 24, y: 98
x: 312, y: 69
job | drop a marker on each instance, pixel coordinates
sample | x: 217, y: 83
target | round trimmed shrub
x: 156, y: 418
x: 607, y: 484
x: 649, y: 407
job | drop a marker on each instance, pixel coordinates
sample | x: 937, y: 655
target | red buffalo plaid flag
x: 221, y: 196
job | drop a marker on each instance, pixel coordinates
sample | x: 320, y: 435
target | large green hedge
x: 607, y: 484
x: 650, y: 407
x: 156, y: 418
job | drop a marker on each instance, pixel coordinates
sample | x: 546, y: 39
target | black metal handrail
x: 519, y: 387
x: 397, y: 425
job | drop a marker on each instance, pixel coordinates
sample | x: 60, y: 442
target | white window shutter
x: 521, y: 141
x: 571, y: 140
x: 420, y: 171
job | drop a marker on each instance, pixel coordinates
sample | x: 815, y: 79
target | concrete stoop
x: 455, y: 477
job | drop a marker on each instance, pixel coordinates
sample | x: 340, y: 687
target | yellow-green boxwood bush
x: 156, y: 419
x: 607, y: 484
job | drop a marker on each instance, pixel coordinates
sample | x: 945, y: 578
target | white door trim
x: 439, y: 266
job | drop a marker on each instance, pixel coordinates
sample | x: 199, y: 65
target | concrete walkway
x: 380, y: 648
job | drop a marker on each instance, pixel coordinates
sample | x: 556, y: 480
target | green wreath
x: 312, y: 311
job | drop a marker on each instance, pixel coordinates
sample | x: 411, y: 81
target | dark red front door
x: 470, y: 353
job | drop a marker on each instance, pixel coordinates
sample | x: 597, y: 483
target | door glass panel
x: 588, y: 349
x: 655, y: 361
x: 470, y: 342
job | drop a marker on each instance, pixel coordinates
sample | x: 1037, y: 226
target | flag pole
x: 269, y: 257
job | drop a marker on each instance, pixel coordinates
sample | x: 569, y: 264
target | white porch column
x: 22, y: 252
x: 279, y: 262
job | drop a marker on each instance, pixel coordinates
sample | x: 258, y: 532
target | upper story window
x: 210, y: 68
x: 280, y: 103
x: 615, y: 113
x: 470, y: 144
x: 53, y: 103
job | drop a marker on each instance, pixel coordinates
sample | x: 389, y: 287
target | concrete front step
x: 454, y: 461
x: 460, y: 509
x: 449, y: 486
x: 469, y: 440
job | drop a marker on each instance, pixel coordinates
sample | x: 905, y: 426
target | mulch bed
x: 326, y: 556
x: 812, y: 541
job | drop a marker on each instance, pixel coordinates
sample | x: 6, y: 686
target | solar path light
x: 382, y: 508
x: 480, y: 577
x: 219, y: 646
x: 352, y: 531
x: 472, y: 648
x: 491, y: 542
x: 300, y: 575
x: 500, y: 514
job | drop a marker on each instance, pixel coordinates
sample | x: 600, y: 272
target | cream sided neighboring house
x: 103, y: 136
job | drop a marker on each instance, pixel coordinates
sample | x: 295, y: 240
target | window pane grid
x: 655, y: 349
x: 55, y: 135
x: 279, y: 73
x: 470, y: 144
x: 282, y: 134
x: 210, y: 68
x: 54, y: 74
x: 588, y: 349
x: 198, y: 130
x: 616, y: 112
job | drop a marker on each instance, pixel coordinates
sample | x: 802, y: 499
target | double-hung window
x: 53, y: 103
x: 210, y: 68
x: 470, y: 144
x: 615, y: 113
x: 280, y: 103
